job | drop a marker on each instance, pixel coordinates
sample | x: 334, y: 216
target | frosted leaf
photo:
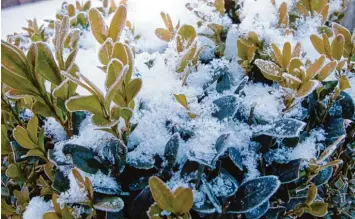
x: 206, y: 208
x: 284, y: 128
x: 287, y: 172
x: 258, y: 212
x: 236, y: 158
x: 109, y: 204
x: 253, y: 193
x: 323, y: 176
x: 207, y: 189
x: 224, y: 185
x: 226, y: 107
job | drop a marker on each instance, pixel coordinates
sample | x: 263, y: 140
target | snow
x: 36, y: 208
x: 156, y: 104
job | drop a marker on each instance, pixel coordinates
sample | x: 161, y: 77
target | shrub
x: 195, y: 130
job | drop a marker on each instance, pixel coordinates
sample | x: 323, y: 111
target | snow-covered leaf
x: 284, y: 128
x: 208, y: 190
x: 323, y: 176
x: 171, y: 150
x: 287, y: 172
x: 109, y: 204
x: 235, y: 157
x: 223, y: 83
x: 60, y: 181
x: 226, y: 107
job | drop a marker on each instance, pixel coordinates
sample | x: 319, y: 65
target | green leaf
x: 133, y: 89
x: 109, y: 204
x: 46, y: 65
x: 32, y: 127
x: 84, y: 103
x: 161, y: 194
x: 51, y: 215
x: 319, y: 209
x: 338, y: 47
x: 21, y: 136
x: 36, y: 153
x: 105, y: 52
x: 113, y: 71
x: 226, y: 107
x: 13, y: 59
x: 118, y: 23
x: 17, y: 82
x: 163, y: 34
x: 183, y: 200
x: 181, y: 98
x: 97, y: 25
x: 13, y: 171
x: 187, y: 35
x: 42, y: 109
x: 311, y: 194
x: 115, y: 87
x: 5, y: 143
x: 307, y: 88
x: 171, y: 150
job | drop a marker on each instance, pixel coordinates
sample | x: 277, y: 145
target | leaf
x: 5, y: 143
x: 284, y: 128
x: 323, y: 176
x: 32, y: 127
x: 253, y: 193
x: 330, y: 149
x: 338, y: 47
x: 286, y: 53
x: 317, y: 43
x: 133, y: 89
x: 13, y: 171
x: 42, y: 109
x: 277, y: 55
x: 340, y: 30
x: 50, y: 215
x: 181, y: 98
x: 226, y: 107
x: 17, y: 82
x: 269, y: 69
x: 60, y: 182
x: 287, y: 172
x: 118, y: 23
x: 36, y: 153
x: 187, y: 35
x: 235, y: 157
x: 258, y: 212
x: 223, y: 83
x: 307, y: 88
x: 115, y: 87
x: 318, y: 209
x: 283, y: 15
x: 314, y: 68
x: 113, y: 71
x: 163, y: 34
x: 97, y: 25
x: 13, y: 59
x: 84, y: 103
x: 21, y: 136
x: 154, y: 212
x: 327, y: 70
x: 208, y: 191
x: 219, y: 5
x: 161, y: 194
x: 311, y: 194
x: 46, y: 65
x: 327, y: 46
x: 171, y: 150
x: 187, y: 58
x: 109, y: 204
x: 183, y: 200
x: 344, y: 83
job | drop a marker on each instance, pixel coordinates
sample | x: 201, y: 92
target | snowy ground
x: 161, y: 82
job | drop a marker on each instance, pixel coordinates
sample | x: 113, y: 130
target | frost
x: 36, y: 208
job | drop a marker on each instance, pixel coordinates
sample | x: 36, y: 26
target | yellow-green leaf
x: 277, y: 54
x: 13, y: 171
x: 84, y: 103
x: 326, y: 70
x: 118, y: 23
x: 286, y: 54
x: 187, y: 35
x: 327, y: 46
x: 307, y: 88
x: 154, y: 212
x: 317, y: 43
x: 164, y: 34
x: 311, y: 194
x: 187, y: 59
x: 181, y: 98
x: 283, y: 15
x: 344, y: 83
x: 161, y: 193
x: 32, y: 127
x: 338, y: 47
x: 97, y: 25
x: 269, y: 69
x: 13, y: 59
x: 105, y: 52
x: 21, y: 136
x: 315, y: 68
x: 113, y: 70
x: 319, y: 209
x: 219, y: 5
x: 46, y: 64
x: 183, y: 200
x: 133, y: 88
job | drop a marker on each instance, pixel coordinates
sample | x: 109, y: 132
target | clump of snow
x: 54, y: 129
x: 36, y: 208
